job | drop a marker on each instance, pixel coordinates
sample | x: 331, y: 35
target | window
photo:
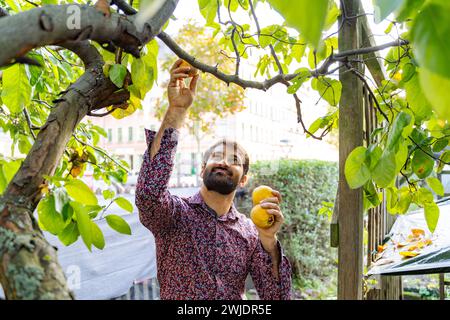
x: 110, y: 135
x: 130, y: 133
x: 119, y: 135
x: 193, y: 163
x: 141, y: 133
x: 131, y: 162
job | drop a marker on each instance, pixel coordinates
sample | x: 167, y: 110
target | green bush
x: 305, y: 235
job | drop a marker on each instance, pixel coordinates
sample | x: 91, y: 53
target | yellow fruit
x: 261, y: 218
x: 260, y: 193
x: 75, y: 171
x: 192, y: 72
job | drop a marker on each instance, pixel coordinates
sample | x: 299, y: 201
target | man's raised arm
x: 156, y: 205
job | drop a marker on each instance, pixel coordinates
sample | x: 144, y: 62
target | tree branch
x: 258, y: 28
x: 124, y: 6
x: 49, y: 25
x: 100, y: 151
x: 280, y: 78
x: 30, y: 125
x: 264, y: 85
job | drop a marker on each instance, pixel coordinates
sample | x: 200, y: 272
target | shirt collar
x: 198, y: 200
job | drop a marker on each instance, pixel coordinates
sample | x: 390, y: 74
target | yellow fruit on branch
x: 260, y: 193
x: 192, y: 72
x: 261, y: 217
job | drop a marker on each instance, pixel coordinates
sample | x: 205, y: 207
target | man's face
x: 224, y: 170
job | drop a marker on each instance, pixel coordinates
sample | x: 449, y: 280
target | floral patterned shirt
x: 199, y: 254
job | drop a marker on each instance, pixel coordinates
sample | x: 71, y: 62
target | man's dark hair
x: 227, y: 143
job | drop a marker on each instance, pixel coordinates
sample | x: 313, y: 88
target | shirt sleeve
x: 155, y: 204
x: 267, y: 286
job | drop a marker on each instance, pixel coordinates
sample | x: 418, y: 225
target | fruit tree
x: 62, y: 61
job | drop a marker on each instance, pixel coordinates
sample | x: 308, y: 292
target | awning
x: 433, y: 258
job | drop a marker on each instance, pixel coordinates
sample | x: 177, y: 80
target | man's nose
x: 224, y: 161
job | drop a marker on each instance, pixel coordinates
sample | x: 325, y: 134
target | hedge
x: 305, y: 235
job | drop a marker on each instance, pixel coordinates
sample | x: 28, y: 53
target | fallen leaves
x: 414, y: 243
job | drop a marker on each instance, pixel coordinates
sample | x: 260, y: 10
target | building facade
x: 267, y: 128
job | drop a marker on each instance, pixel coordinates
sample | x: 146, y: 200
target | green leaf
x: 430, y: 34
x: 405, y: 199
x: 67, y: 212
x: 409, y: 9
x: 436, y: 89
x: 270, y: 34
x: 332, y: 15
x: 208, y: 9
x: 436, y: 185
x: 383, y: 8
x: 356, y: 171
x: 24, y: 144
x: 10, y: 169
x: 431, y: 215
x: 424, y: 196
x: 303, y: 75
x: 124, y: 204
x: 16, y: 93
x: 244, y: 4
x: 83, y: 222
x: 401, y: 121
x: 14, y: 5
x: 328, y: 88
x: 370, y: 193
x: 49, y: 218
x: 385, y: 170
x: 108, y: 194
x: 440, y: 145
x: 422, y: 164
x: 61, y: 198
x: 374, y: 155
x: 3, y: 182
x: 118, y: 223
x: 308, y: 17
x: 391, y: 199
x: 142, y: 77
x: 232, y: 4
x: 98, y: 240
x: 80, y: 192
x: 117, y: 74
x: 444, y: 158
x: 417, y: 99
x: 401, y: 156
x: 70, y: 234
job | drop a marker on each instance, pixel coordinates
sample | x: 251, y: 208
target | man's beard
x: 223, y: 184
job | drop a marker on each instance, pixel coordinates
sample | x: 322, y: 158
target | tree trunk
x: 29, y: 268
x: 28, y: 264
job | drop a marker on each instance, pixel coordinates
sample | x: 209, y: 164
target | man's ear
x: 243, y: 181
x: 203, y: 170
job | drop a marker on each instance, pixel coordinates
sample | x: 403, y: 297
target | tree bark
x: 28, y: 263
x: 350, y: 202
x: 52, y: 25
x: 29, y: 268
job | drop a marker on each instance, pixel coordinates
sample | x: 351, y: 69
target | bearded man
x: 205, y: 248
